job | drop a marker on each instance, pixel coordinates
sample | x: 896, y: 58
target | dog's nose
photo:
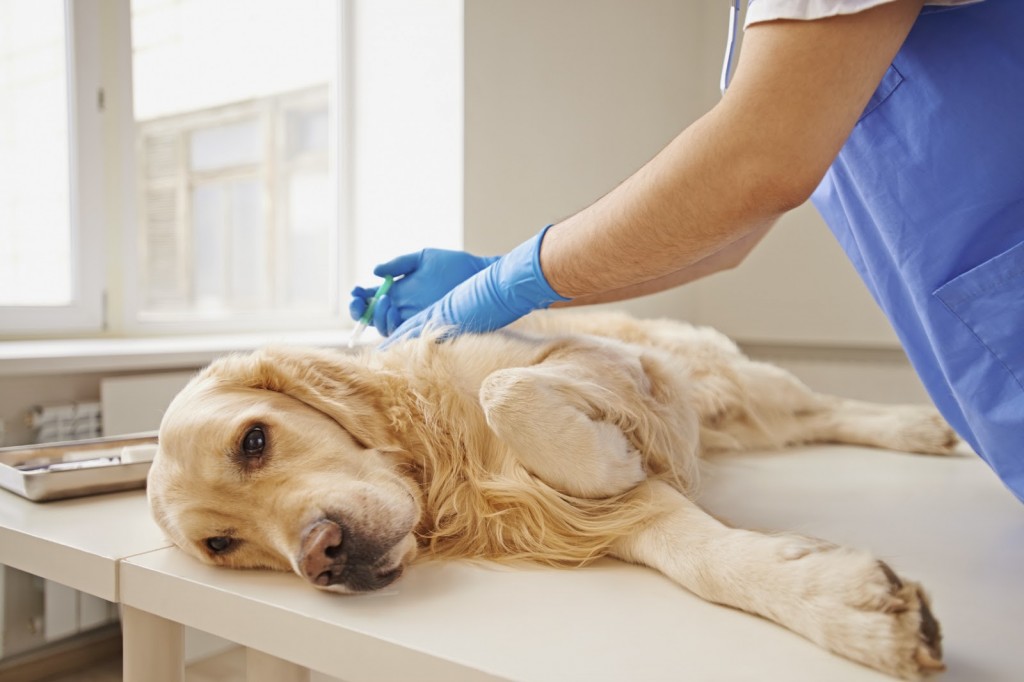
x: 321, y: 547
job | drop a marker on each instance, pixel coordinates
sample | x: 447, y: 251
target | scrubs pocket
x: 890, y: 81
x: 989, y: 299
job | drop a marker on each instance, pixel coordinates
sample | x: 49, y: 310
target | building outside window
x: 236, y: 131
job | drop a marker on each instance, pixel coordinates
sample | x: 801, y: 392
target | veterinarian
x: 901, y: 122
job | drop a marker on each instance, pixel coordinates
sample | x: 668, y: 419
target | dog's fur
x: 570, y: 437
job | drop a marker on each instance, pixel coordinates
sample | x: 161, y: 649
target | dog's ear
x: 329, y: 381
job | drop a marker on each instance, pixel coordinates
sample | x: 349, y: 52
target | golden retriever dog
x: 565, y: 438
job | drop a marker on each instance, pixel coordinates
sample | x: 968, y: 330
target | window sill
x: 68, y: 356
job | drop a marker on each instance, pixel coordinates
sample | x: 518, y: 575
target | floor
x: 226, y: 667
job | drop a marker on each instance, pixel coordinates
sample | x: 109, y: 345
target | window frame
x: 86, y: 310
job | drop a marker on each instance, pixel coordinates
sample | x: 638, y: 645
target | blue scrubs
x: 927, y: 199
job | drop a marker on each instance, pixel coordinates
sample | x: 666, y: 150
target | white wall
x: 797, y: 287
x: 564, y: 100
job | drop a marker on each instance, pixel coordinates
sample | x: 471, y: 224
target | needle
x: 364, y: 321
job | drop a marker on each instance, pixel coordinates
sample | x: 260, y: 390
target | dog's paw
x: 891, y: 626
x: 919, y: 428
x: 555, y: 441
x: 856, y: 606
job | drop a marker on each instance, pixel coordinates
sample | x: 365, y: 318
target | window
x: 177, y: 160
x: 50, y: 259
x: 208, y: 165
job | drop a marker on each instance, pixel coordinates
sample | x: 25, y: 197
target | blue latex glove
x: 509, y: 288
x: 422, y: 278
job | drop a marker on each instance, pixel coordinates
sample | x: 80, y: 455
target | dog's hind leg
x: 909, y: 428
x: 842, y: 599
x: 779, y: 410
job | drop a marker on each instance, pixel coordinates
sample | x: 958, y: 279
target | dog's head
x: 280, y: 459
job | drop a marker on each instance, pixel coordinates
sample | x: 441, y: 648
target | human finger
x: 401, y: 265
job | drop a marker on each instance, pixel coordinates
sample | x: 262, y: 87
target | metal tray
x: 55, y: 471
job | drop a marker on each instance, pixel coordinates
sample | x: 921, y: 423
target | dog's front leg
x: 842, y: 599
x: 542, y: 415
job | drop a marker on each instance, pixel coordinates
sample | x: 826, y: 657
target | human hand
x: 423, y: 278
x: 509, y: 288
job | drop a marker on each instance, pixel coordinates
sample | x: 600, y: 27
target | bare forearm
x: 679, y: 209
x: 728, y: 257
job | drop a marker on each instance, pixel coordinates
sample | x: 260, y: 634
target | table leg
x: 262, y: 667
x: 154, y: 647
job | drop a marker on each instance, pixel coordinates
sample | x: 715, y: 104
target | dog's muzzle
x: 332, y: 554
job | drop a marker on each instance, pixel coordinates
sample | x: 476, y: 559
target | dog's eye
x: 254, y: 442
x: 218, y: 545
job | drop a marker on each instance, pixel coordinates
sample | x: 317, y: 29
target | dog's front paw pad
x: 911, y: 641
x: 929, y: 652
x: 858, y: 607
